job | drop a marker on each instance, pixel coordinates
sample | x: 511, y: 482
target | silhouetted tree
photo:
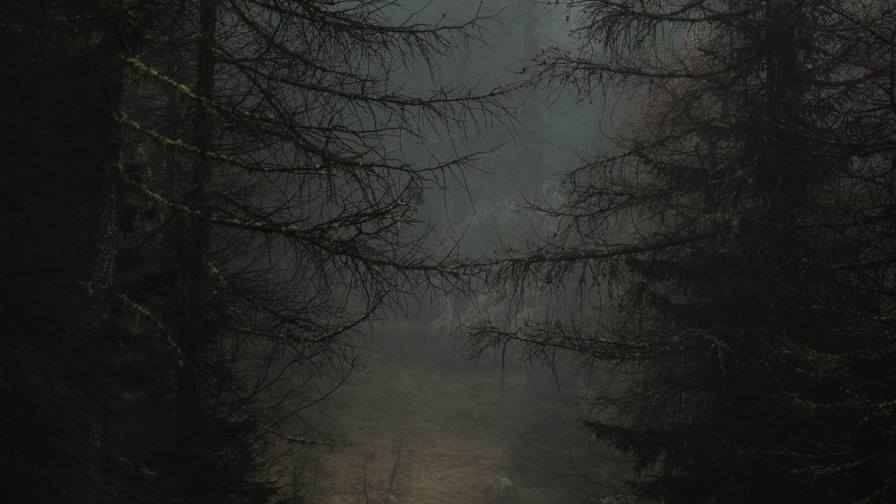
x: 202, y: 201
x: 728, y: 268
x: 60, y: 88
x: 269, y: 208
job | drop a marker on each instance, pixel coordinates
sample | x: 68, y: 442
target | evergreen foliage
x: 202, y: 201
x: 732, y: 259
x: 60, y: 82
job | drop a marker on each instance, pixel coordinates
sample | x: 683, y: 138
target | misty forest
x: 448, y: 251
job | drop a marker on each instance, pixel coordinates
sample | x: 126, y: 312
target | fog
x: 421, y: 425
x: 421, y: 421
x: 430, y: 251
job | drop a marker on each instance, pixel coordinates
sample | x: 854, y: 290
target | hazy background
x: 420, y: 424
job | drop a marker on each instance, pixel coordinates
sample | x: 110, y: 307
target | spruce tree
x: 270, y: 197
x: 61, y: 82
x: 729, y: 262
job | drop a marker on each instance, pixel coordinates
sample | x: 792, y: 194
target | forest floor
x: 424, y: 426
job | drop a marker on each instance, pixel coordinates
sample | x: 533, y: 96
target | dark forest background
x: 205, y: 204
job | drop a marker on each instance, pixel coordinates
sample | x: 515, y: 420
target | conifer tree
x: 269, y: 209
x: 61, y: 82
x: 203, y: 201
x: 729, y: 264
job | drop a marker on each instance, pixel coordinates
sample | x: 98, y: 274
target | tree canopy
x: 727, y: 267
x: 205, y: 200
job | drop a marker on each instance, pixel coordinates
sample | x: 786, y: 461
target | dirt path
x: 428, y: 432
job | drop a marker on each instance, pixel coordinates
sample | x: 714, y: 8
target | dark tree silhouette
x: 728, y: 268
x: 270, y: 193
x: 60, y: 86
x: 203, y: 200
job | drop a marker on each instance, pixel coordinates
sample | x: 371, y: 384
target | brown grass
x: 457, y: 431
